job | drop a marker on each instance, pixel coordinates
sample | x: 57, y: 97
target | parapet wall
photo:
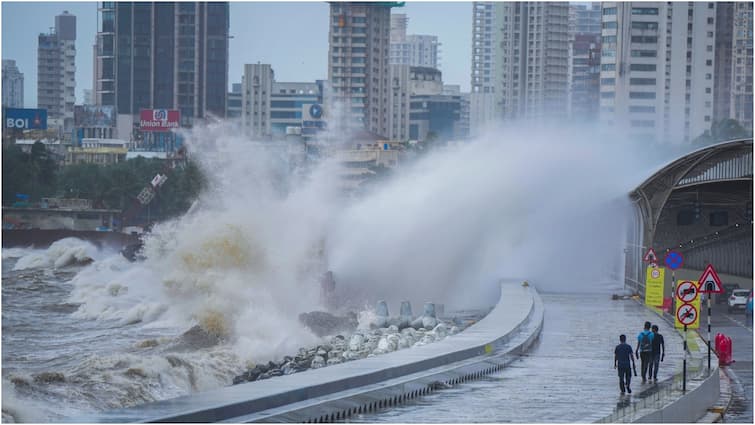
x: 338, y: 391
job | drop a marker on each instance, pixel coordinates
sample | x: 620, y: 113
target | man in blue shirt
x: 624, y: 362
x: 644, y: 350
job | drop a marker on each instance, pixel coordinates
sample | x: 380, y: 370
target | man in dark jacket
x: 624, y: 362
x: 659, y: 351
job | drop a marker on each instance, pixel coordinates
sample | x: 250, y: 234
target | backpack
x: 645, y: 345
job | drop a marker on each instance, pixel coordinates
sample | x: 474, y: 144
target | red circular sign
x: 686, y: 292
x: 686, y: 314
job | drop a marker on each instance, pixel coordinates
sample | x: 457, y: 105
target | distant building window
x: 607, y: 95
x: 641, y: 95
x: 608, y: 67
x: 642, y: 81
x: 644, y: 11
x: 642, y: 67
x: 609, y: 39
x: 642, y: 109
x: 607, y: 81
x: 609, y: 11
x: 644, y: 53
x: 644, y: 25
x: 609, y: 25
x: 644, y: 39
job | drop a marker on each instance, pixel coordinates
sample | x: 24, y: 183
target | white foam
x: 61, y: 253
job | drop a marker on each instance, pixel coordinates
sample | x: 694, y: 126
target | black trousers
x: 645, y: 359
x: 625, y: 377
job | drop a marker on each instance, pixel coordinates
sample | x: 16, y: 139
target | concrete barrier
x: 338, y: 391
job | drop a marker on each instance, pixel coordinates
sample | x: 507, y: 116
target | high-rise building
x: 256, y: 89
x: 358, y: 66
x: 233, y: 110
x: 657, y: 69
x: 13, y: 85
x: 741, y: 63
x: 412, y: 49
x: 520, y: 61
x: 584, y: 61
x: 164, y: 55
x: 56, y: 72
x: 722, y: 65
x: 584, y: 18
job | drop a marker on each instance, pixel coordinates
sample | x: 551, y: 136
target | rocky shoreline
x: 394, y: 334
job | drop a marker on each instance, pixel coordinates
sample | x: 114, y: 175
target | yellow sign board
x: 654, y: 286
x: 688, y: 311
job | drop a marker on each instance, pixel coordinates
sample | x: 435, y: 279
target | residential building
x: 520, y: 61
x: 722, y: 66
x: 13, y: 85
x: 741, y: 62
x: 657, y: 69
x: 56, y: 72
x: 256, y: 89
x: 162, y: 55
x: 584, y: 18
x: 420, y: 106
x: 584, y: 72
x: 233, y: 109
x: 290, y: 107
x: 358, y: 66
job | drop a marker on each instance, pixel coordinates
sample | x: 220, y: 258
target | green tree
x: 726, y: 129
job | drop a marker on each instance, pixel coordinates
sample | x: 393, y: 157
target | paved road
x: 735, y: 326
x: 567, y: 377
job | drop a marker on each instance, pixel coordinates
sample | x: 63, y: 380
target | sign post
x: 709, y: 283
x: 686, y: 314
x: 673, y: 260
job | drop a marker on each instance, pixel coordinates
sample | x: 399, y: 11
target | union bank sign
x: 159, y: 119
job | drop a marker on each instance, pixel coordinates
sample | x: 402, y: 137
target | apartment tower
x: 56, y: 72
x: 657, y: 69
x: 358, y: 66
x: 520, y: 61
x: 166, y: 55
x: 13, y: 85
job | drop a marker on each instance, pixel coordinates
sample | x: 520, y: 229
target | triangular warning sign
x: 709, y: 281
x: 650, y: 256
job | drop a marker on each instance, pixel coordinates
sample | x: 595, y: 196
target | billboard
x: 25, y: 119
x: 94, y: 116
x: 159, y: 119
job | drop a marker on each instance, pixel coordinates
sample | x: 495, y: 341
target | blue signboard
x: 26, y: 119
x: 673, y: 260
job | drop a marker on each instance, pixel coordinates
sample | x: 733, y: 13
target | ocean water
x: 86, y: 330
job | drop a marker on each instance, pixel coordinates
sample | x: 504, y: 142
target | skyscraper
x: 657, y: 69
x: 741, y: 62
x: 584, y: 61
x: 13, y: 85
x: 166, y: 55
x: 520, y: 59
x: 56, y: 72
x: 256, y: 89
x: 358, y: 65
x: 412, y: 49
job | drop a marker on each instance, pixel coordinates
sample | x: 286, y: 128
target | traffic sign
x: 673, y: 260
x: 655, y: 273
x: 686, y: 292
x: 650, y: 256
x: 709, y: 281
x: 686, y: 314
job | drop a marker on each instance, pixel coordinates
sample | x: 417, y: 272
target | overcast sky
x: 292, y: 36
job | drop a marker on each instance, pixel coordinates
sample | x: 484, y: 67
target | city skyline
x: 252, y: 26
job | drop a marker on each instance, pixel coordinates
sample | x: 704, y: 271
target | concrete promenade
x: 567, y: 376
x: 315, y: 394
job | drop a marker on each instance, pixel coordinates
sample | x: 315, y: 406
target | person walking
x: 624, y: 362
x: 644, y: 349
x: 658, y: 352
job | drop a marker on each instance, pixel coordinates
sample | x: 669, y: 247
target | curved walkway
x: 567, y: 377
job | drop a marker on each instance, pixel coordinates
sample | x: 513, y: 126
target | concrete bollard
x: 381, y: 321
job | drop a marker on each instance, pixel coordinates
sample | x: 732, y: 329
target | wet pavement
x: 736, y: 326
x: 568, y: 376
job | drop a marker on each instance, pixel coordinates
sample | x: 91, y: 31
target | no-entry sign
x: 686, y: 314
x: 686, y: 292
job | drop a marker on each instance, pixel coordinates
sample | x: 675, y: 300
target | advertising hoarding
x: 25, y: 119
x: 94, y: 116
x: 159, y: 119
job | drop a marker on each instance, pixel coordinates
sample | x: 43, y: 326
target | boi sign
x: 25, y: 119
